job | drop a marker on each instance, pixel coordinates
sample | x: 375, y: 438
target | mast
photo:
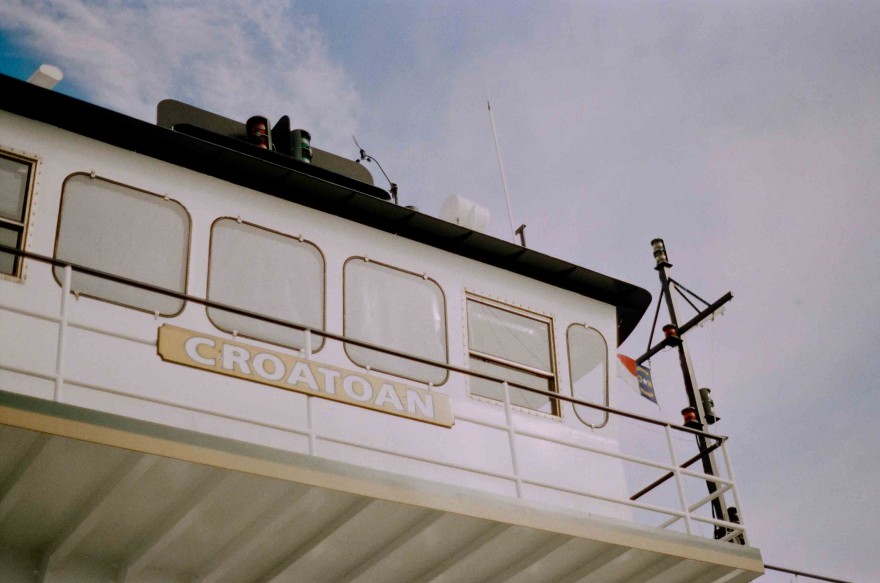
x: 676, y: 337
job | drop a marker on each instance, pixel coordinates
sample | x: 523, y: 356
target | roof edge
x: 322, y: 190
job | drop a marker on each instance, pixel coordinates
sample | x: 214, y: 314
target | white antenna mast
x: 500, y: 164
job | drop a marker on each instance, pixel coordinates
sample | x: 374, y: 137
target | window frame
x: 188, y: 241
x: 607, y: 388
x: 551, y: 376
x: 423, y: 276
x: 33, y: 162
x: 298, y: 238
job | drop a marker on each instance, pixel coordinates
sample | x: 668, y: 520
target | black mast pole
x: 719, y: 509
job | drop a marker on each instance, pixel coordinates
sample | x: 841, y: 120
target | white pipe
x: 709, y: 498
x: 71, y: 324
x: 620, y: 456
x: 623, y: 501
x: 677, y: 474
x: 735, y: 495
x: 418, y: 458
x: 310, y: 420
x: 510, y: 438
x: 62, y: 327
x: 706, y: 477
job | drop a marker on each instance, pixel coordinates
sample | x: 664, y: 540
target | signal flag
x: 636, y: 376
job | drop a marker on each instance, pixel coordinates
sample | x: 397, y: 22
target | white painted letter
x: 302, y: 373
x: 387, y: 394
x: 192, y: 350
x: 414, y: 400
x: 365, y: 387
x: 330, y: 377
x: 260, y: 366
x: 233, y: 355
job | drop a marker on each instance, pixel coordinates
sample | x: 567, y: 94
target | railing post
x: 310, y: 411
x: 678, y: 483
x: 729, y: 466
x: 310, y: 421
x: 62, y: 328
x: 510, y: 437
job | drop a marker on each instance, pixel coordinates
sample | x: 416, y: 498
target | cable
x: 369, y: 158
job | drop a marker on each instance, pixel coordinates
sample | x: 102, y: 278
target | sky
x: 745, y: 134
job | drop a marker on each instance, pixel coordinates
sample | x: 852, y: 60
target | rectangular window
x: 16, y: 177
x: 126, y: 232
x: 267, y: 273
x: 514, y: 345
x: 395, y: 309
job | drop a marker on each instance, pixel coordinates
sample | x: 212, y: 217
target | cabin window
x: 515, y: 345
x: 126, y: 232
x: 267, y: 273
x: 16, y: 177
x: 588, y: 366
x: 395, y: 309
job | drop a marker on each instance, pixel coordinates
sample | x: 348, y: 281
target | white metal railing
x: 732, y: 531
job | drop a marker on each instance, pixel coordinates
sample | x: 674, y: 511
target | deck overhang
x: 83, y: 491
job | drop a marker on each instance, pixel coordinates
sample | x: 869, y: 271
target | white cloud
x: 232, y: 57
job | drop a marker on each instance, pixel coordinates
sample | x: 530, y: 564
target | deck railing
x: 686, y: 512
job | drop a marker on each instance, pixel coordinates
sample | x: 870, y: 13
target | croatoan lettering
x: 296, y: 374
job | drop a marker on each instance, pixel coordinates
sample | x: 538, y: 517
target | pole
x: 710, y: 467
x: 500, y: 164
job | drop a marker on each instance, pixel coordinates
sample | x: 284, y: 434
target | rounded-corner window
x: 127, y: 232
x: 268, y: 273
x: 395, y: 309
x: 588, y: 367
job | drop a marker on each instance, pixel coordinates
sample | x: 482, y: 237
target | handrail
x: 798, y: 573
x: 674, y: 469
x: 659, y: 481
x: 341, y: 338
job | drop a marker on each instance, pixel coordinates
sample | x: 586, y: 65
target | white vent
x: 47, y: 76
x: 466, y: 213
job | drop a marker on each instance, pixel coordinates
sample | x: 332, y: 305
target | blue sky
x: 745, y: 134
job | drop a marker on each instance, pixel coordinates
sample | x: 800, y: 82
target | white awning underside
x: 73, y: 510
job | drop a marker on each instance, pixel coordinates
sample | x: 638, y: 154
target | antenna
x: 500, y: 164
x: 371, y: 158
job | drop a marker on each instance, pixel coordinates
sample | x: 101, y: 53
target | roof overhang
x: 316, y: 188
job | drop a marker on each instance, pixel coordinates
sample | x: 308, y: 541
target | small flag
x: 636, y: 376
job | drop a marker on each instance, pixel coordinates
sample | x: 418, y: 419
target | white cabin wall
x: 145, y: 387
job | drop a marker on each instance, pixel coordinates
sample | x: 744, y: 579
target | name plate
x: 309, y: 377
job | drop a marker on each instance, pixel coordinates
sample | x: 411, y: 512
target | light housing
x: 660, y: 253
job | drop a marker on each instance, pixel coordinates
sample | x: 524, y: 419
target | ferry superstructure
x: 222, y: 363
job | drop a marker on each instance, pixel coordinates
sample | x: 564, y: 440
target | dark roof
x: 292, y: 180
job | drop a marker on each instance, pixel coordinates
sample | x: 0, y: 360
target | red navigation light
x: 690, y: 415
x: 258, y: 132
